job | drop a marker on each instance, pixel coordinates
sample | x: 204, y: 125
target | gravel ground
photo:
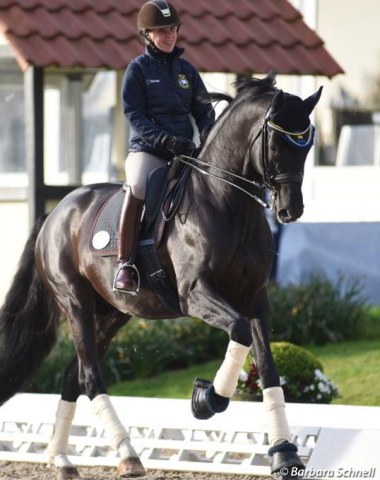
x: 38, y: 471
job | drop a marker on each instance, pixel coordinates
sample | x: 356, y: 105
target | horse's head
x: 287, y: 136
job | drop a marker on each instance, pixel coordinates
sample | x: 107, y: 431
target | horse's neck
x: 221, y: 200
x: 221, y: 186
x: 228, y: 149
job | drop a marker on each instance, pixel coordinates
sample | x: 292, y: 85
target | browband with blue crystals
x: 295, y: 139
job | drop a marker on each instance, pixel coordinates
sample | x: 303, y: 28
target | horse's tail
x: 28, y: 323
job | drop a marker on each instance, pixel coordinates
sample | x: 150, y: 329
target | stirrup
x: 121, y: 290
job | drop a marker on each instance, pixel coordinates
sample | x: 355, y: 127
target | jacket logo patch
x: 183, y: 82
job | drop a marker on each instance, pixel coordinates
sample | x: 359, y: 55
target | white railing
x: 167, y: 437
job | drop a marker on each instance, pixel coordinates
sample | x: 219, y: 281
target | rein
x: 295, y: 139
x: 196, y: 164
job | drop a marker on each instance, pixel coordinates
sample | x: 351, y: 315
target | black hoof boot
x: 205, y: 402
x: 285, y: 462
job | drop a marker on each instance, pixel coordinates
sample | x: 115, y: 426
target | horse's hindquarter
x: 63, y: 250
x: 63, y: 244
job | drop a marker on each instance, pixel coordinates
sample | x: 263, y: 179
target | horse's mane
x: 247, y: 89
x: 247, y: 85
x: 257, y: 85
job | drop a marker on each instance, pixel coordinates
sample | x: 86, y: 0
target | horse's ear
x: 278, y: 102
x: 312, y: 101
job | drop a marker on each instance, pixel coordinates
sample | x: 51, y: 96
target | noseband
x: 296, y: 140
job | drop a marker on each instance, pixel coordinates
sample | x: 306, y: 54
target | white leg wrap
x: 274, y: 404
x: 57, y: 447
x: 118, y: 435
x: 227, y: 376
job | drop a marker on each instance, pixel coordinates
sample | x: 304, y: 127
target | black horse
x: 217, y: 251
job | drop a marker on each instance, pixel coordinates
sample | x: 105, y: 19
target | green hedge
x: 318, y: 311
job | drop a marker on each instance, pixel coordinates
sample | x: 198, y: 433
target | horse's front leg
x: 130, y: 464
x: 213, y: 397
x: 283, y: 453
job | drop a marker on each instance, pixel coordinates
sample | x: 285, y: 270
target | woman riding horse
x: 160, y: 91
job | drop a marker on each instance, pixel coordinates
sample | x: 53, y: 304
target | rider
x: 160, y: 91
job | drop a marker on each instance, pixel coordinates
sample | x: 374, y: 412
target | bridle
x: 296, y: 140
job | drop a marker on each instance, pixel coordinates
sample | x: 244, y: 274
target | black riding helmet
x: 157, y: 14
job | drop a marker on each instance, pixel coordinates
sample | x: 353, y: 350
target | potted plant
x: 301, y: 377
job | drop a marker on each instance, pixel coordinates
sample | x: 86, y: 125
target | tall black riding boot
x: 127, y: 276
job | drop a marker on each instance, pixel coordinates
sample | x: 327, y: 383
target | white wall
x: 338, y: 250
x: 350, y: 29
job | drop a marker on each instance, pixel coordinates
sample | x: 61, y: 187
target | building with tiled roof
x: 238, y: 36
x: 63, y: 45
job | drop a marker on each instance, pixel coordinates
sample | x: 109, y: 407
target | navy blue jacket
x: 159, y: 92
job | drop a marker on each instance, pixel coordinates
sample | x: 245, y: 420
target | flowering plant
x: 299, y: 385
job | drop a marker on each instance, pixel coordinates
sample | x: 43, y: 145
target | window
x: 78, y: 124
x: 12, y: 127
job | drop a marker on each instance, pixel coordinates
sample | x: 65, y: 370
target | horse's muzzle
x: 287, y: 215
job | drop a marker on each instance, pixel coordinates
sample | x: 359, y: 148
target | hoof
x: 285, y: 462
x: 205, y: 402
x: 131, y: 467
x: 67, y: 473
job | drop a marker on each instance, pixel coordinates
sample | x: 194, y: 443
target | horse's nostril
x: 286, y: 215
x: 283, y: 216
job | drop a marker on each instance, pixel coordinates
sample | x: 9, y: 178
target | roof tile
x: 239, y: 36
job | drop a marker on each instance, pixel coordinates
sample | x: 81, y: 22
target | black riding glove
x: 178, y: 145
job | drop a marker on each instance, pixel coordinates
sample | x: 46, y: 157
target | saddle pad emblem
x: 101, y: 239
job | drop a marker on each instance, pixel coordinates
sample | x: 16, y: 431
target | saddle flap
x: 156, y: 188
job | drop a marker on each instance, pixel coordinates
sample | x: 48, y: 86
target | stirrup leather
x: 121, y: 267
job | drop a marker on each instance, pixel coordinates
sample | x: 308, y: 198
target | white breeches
x: 138, y: 166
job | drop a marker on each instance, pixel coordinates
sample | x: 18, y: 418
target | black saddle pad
x: 105, y: 231
x: 104, y: 235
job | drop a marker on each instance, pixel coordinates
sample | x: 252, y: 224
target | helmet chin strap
x: 145, y: 35
x: 150, y: 42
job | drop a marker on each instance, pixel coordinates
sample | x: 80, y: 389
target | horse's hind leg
x: 91, y: 347
x: 129, y: 465
x: 57, y: 449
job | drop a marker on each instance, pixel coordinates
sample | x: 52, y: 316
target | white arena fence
x: 334, y: 441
